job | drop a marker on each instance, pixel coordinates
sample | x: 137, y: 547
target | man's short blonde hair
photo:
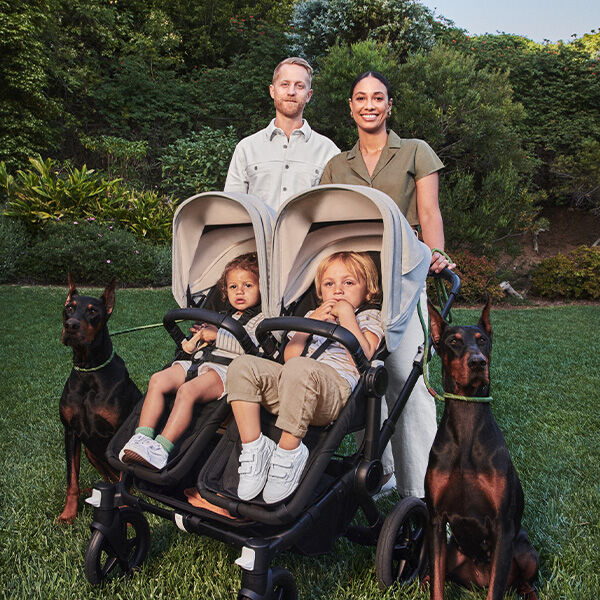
x: 360, y: 265
x: 294, y: 60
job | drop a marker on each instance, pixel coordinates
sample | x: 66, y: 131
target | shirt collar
x: 393, y: 141
x: 272, y: 131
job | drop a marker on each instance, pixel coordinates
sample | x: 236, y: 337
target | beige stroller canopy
x: 331, y: 218
x: 211, y: 229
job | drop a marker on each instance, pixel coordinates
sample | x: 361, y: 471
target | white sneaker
x: 284, y: 474
x: 386, y: 489
x: 254, y: 467
x: 145, y: 451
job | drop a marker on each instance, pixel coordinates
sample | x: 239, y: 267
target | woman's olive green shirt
x: 401, y: 164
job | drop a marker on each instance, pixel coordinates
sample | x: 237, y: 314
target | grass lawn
x: 545, y: 388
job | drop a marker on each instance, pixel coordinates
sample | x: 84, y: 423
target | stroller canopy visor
x: 210, y: 230
x: 332, y: 218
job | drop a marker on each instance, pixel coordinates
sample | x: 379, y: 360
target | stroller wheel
x: 102, y: 561
x: 282, y: 587
x: 402, y: 549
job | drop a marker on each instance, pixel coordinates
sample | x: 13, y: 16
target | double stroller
x: 208, y: 231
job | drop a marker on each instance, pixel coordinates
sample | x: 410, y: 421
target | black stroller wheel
x: 402, y: 549
x: 101, y: 559
x: 282, y: 587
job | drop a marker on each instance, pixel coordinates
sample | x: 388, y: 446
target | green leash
x: 140, y: 327
x: 442, y: 293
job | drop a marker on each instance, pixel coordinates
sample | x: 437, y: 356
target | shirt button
x: 285, y: 145
x: 287, y: 166
x: 256, y: 168
x: 285, y: 189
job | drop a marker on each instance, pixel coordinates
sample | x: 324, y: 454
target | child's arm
x: 201, y: 333
x: 296, y: 344
x: 368, y: 341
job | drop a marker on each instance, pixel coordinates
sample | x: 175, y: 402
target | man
x: 287, y: 156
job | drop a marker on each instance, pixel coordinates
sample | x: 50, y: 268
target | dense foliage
x: 45, y: 193
x: 572, y: 275
x: 138, y: 103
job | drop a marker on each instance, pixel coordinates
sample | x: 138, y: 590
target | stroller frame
x: 400, y: 537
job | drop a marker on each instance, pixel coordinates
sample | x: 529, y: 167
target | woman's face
x: 370, y: 105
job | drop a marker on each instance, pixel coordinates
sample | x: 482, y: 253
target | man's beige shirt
x: 273, y: 168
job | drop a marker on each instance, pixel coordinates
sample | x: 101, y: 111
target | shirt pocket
x: 306, y: 175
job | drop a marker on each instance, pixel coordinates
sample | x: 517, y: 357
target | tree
x: 467, y: 114
x: 25, y: 109
x: 316, y: 25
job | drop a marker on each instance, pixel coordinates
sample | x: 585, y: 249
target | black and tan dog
x: 471, y: 483
x: 98, y: 395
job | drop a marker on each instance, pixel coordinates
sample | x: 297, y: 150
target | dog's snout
x: 477, y: 361
x: 72, y: 325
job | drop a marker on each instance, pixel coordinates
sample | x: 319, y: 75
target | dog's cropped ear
x: 437, y: 324
x: 109, y: 297
x: 72, y: 289
x: 484, y: 320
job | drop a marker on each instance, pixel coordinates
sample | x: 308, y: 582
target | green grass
x: 545, y: 388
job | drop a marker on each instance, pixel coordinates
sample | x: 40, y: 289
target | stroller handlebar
x: 202, y: 315
x: 331, y: 331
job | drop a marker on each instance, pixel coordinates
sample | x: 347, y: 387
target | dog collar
x: 466, y: 398
x: 112, y: 355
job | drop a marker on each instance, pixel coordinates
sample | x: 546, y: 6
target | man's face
x: 291, y: 91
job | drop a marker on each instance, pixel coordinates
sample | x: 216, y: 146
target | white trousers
x: 417, y: 425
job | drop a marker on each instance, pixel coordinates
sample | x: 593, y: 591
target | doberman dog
x: 471, y: 483
x: 98, y: 395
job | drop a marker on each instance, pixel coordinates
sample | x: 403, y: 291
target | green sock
x: 147, y: 431
x: 165, y: 443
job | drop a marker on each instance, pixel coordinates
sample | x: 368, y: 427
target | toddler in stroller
x: 313, y: 384
x: 191, y: 381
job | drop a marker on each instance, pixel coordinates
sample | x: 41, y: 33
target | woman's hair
x: 360, y: 265
x: 245, y: 262
x: 378, y: 76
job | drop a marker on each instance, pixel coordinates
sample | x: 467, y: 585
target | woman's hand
x: 439, y: 262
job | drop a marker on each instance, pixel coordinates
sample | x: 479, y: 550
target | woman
x: 407, y: 171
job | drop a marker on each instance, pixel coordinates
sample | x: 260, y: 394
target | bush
x: 574, y: 275
x: 478, y: 276
x: 14, y: 239
x: 198, y: 163
x: 47, y: 193
x: 94, y: 253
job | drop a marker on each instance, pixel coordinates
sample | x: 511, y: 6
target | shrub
x: 574, y: 275
x: 93, y: 253
x: 47, y: 193
x: 14, y: 239
x: 478, y: 276
x: 198, y: 163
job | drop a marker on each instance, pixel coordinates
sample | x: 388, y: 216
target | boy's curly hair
x: 246, y: 262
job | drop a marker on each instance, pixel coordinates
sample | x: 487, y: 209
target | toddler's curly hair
x: 245, y: 262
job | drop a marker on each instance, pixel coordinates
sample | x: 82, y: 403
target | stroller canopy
x: 332, y: 218
x: 210, y: 230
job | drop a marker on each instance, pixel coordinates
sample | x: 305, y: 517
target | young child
x: 239, y: 285
x: 303, y: 391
